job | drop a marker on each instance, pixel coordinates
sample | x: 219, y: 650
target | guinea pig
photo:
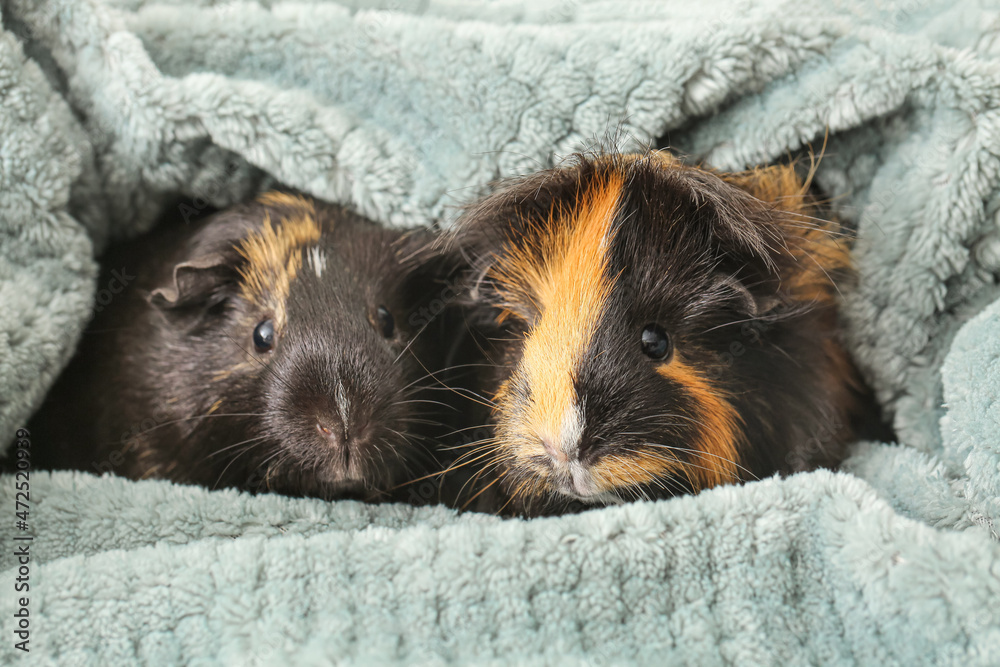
x: 653, y: 329
x: 266, y: 348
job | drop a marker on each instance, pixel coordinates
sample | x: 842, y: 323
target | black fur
x: 137, y: 398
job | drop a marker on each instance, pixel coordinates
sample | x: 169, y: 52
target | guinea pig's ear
x: 208, y: 267
x: 778, y: 186
x: 192, y: 283
x: 470, y: 249
x: 434, y: 258
x: 753, y: 305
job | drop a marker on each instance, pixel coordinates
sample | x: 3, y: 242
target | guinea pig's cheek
x: 714, y: 452
x: 635, y: 469
x: 509, y: 412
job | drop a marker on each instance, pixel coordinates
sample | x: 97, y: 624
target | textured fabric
x: 112, y: 111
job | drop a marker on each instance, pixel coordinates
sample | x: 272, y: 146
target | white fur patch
x: 571, y: 431
x: 317, y: 260
x: 343, y: 405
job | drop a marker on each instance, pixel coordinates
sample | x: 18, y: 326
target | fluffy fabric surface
x: 112, y: 110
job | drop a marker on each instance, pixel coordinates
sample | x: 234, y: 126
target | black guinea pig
x: 650, y: 329
x: 266, y: 348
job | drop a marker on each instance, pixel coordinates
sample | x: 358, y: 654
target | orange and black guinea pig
x: 265, y: 348
x: 652, y: 329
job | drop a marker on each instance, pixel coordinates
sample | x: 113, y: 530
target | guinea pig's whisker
x: 250, y: 443
x: 471, y: 457
x: 396, y: 451
x: 669, y: 485
x: 271, y: 458
x: 373, y: 490
x: 400, y: 436
x: 270, y: 469
x: 706, y: 454
x: 728, y: 324
x: 478, y: 493
x: 438, y: 473
x: 691, y: 420
x: 438, y: 380
x: 423, y: 451
x: 419, y: 442
x: 504, y: 506
x: 489, y: 467
x: 664, y: 415
x: 425, y: 400
x: 699, y: 453
x: 228, y: 465
x: 412, y: 341
x: 467, y: 394
x: 518, y: 494
x: 417, y: 420
x: 786, y: 355
x: 465, y: 445
x: 475, y: 398
x: 495, y: 464
x: 635, y: 486
x: 188, y: 419
x: 826, y: 273
x: 445, y: 370
x: 463, y: 430
x: 684, y: 473
x: 459, y: 464
x: 512, y: 339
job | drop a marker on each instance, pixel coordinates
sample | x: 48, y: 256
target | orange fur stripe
x: 273, y: 254
x: 718, y: 428
x: 284, y: 199
x: 717, y: 440
x: 565, y: 276
x: 819, y: 254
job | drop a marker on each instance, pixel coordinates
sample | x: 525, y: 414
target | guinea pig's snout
x: 336, y: 420
x: 570, y: 474
x: 567, y: 448
x: 332, y: 429
x: 554, y: 449
x: 561, y: 439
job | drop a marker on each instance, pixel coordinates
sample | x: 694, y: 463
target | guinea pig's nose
x: 332, y: 429
x: 554, y: 451
x: 333, y: 420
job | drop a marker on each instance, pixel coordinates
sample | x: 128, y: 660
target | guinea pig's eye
x: 386, y: 324
x: 655, y: 342
x: 263, y: 336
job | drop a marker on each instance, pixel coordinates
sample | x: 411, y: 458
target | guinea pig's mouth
x: 350, y: 489
x: 575, y: 481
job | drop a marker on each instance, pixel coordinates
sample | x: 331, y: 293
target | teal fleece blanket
x: 111, y: 110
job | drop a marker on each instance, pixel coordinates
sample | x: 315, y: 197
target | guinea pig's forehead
x: 361, y: 246
x: 328, y: 274
x: 325, y: 308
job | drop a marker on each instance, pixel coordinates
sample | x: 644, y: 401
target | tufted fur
x: 567, y: 267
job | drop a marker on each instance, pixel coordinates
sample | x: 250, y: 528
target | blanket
x: 113, y: 112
